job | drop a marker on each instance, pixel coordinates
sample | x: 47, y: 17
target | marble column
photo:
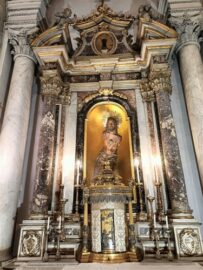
x: 2, y: 18
x: 174, y: 172
x: 13, y: 138
x: 191, y: 68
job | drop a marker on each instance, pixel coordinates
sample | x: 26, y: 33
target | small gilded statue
x: 105, y: 170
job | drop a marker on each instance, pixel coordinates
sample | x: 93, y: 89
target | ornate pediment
x: 103, y: 33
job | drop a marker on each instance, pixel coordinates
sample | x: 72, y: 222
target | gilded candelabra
x: 47, y: 232
x: 167, y: 235
x: 150, y: 212
x: 160, y: 206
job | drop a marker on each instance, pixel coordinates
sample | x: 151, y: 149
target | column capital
x: 20, y: 43
x: 147, y: 92
x: 188, y: 28
x: 53, y: 86
x: 160, y: 78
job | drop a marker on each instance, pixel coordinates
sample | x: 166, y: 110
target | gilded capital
x: 160, y: 77
x: 51, y: 85
x: 20, y: 43
x: 147, y: 92
x: 188, y: 29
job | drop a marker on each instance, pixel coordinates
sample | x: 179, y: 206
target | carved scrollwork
x: 104, y: 92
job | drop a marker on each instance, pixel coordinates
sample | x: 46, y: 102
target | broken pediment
x: 104, y: 33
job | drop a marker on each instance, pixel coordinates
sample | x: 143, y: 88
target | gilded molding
x: 104, y: 92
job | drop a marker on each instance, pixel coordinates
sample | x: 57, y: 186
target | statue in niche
x: 105, y: 170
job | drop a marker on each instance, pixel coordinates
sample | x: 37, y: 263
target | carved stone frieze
x: 187, y: 27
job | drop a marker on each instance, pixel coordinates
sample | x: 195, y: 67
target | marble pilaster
x: 145, y: 146
x: 13, y: 137
x: 191, y: 68
x: 69, y: 153
x: 45, y: 160
x: 174, y: 172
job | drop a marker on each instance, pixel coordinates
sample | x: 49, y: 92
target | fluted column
x: 161, y: 84
x: 191, y: 68
x: 13, y: 138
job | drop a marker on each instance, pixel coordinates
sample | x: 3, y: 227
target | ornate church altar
x: 97, y: 196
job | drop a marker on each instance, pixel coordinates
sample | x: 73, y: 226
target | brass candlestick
x: 155, y: 236
x: 46, y: 255
x: 58, y: 251
x: 62, y: 204
x: 168, y: 236
x: 150, y: 212
x: 142, y: 214
x: 160, y: 207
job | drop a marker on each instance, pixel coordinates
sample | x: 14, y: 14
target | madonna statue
x: 106, y: 161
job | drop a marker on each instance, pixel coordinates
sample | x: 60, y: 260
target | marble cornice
x: 95, y: 86
x: 26, y: 14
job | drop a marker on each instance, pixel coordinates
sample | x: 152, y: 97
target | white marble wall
x: 69, y: 153
x: 192, y: 179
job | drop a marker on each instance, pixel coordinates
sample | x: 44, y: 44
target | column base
x: 5, y: 255
x: 179, y: 214
x: 188, y: 240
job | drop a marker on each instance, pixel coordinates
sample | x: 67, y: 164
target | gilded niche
x: 108, y: 146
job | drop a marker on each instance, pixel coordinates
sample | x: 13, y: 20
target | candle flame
x: 136, y: 162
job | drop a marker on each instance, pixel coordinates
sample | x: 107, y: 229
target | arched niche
x: 91, y: 122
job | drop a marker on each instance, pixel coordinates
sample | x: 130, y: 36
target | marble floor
x: 145, y: 265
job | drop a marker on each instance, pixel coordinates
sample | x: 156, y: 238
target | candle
x: 59, y: 226
x: 78, y: 172
x: 137, y: 170
x: 154, y: 220
x: 48, y: 221
x: 167, y: 222
x: 157, y: 164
